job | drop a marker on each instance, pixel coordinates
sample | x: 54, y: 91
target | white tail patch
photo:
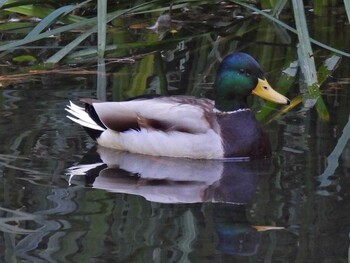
x: 81, y: 117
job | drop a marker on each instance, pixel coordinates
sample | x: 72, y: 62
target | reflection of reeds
x: 16, y: 218
x: 333, y: 158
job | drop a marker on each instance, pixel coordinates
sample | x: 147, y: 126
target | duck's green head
x: 238, y: 76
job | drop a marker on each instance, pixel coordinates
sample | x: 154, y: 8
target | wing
x: 177, y: 113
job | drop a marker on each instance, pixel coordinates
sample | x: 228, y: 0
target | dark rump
x: 89, y: 109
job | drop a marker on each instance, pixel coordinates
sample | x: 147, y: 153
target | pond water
x: 131, y: 208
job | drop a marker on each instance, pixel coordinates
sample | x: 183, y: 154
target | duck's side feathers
x: 153, y: 124
x: 160, y: 113
x: 116, y: 117
x: 158, y: 143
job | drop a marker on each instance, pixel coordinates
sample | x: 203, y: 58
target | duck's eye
x: 244, y: 72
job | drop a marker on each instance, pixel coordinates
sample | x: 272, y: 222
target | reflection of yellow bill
x: 267, y: 228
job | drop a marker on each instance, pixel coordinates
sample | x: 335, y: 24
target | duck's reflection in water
x: 228, y: 183
x: 170, y: 180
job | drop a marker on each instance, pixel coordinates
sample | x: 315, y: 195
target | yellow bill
x: 265, y: 91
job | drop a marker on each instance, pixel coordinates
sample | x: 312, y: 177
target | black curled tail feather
x: 92, y: 113
x: 94, y: 134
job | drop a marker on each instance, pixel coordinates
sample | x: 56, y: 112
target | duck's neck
x: 230, y: 92
x: 234, y: 104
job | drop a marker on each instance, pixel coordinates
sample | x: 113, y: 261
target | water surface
x: 130, y: 208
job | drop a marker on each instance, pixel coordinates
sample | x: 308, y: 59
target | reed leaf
x: 278, y: 7
x: 41, y: 12
x: 68, y: 48
x: 285, y: 82
x: 322, y: 109
x: 84, y: 23
x: 305, y: 54
x: 16, y: 27
x: 2, y: 2
x: 293, y: 103
x: 46, y: 34
x: 101, y: 80
x: 139, y: 81
x: 328, y: 66
x: 101, y: 27
x: 347, y: 8
x: 289, y: 28
x: 53, y: 17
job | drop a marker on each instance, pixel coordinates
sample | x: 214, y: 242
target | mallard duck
x: 185, y: 126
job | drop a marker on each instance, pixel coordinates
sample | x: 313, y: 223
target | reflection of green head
x: 237, y: 76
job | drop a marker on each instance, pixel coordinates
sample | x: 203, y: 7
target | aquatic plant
x: 66, y: 34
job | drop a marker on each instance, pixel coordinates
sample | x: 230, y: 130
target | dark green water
x: 292, y: 208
